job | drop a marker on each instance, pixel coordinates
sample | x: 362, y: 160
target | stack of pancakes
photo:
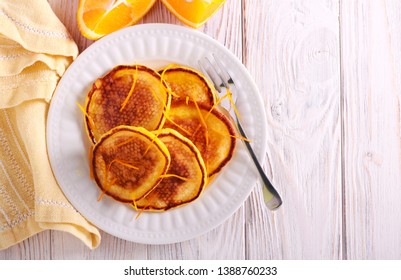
x: 158, y: 137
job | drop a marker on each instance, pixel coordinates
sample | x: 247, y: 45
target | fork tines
x: 215, y: 74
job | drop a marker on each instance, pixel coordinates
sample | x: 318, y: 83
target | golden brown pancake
x: 208, y: 128
x: 128, y: 162
x: 158, y: 139
x: 127, y: 95
x: 185, y: 178
x: 187, y: 82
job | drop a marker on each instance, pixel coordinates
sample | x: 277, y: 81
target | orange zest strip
x: 156, y: 133
x: 125, y: 142
x: 86, y: 115
x: 219, y: 99
x: 144, y: 208
x: 101, y: 195
x: 164, y: 110
x: 205, y: 118
x: 158, y: 99
x: 136, y: 208
x: 151, y: 143
x: 150, y: 195
x: 107, y: 187
x: 176, y: 124
x: 140, y: 213
x: 163, y: 81
x: 108, y: 167
x: 106, y: 172
x: 104, y: 190
x: 230, y: 97
x: 141, y: 210
x: 170, y: 91
x: 123, y: 163
x: 174, y: 176
x: 90, y: 157
x: 131, y: 91
x: 241, y: 138
x: 203, y: 122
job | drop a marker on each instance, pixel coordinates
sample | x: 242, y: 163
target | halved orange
x: 128, y: 162
x: 97, y: 18
x: 193, y: 12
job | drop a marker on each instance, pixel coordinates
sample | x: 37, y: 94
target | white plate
x: 154, y: 45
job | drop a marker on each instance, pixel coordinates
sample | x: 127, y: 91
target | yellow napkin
x: 35, y: 50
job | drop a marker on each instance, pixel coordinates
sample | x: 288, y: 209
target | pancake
x: 185, y: 178
x: 208, y: 128
x: 128, y: 162
x: 127, y: 95
x: 187, y: 82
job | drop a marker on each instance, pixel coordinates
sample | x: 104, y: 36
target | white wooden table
x: 330, y: 75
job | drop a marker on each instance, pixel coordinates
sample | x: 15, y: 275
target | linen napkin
x: 35, y: 50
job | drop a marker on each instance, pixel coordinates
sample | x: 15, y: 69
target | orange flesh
x: 97, y: 18
x: 193, y: 13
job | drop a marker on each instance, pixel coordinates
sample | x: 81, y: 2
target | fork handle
x: 270, y: 194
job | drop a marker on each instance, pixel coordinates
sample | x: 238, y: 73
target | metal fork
x: 221, y: 79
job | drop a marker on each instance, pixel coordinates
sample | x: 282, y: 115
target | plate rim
x: 121, y: 33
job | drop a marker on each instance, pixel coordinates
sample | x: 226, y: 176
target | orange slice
x: 193, y: 13
x: 97, y: 18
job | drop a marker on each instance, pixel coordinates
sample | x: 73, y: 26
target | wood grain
x: 292, y: 51
x: 371, y: 84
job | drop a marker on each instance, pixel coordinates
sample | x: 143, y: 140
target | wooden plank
x: 292, y: 51
x: 36, y: 247
x: 67, y: 246
x: 371, y: 60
